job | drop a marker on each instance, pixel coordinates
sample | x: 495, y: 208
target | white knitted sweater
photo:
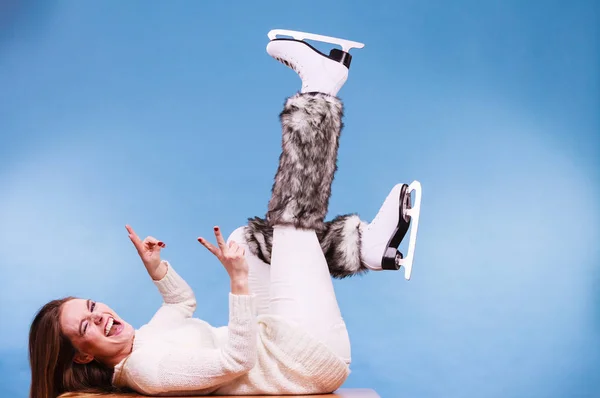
x: 177, y: 354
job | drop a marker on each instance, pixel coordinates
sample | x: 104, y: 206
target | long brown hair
x: 51, y: 354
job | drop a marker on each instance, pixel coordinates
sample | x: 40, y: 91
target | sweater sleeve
x: 179, y: 370
x: 179, y: 300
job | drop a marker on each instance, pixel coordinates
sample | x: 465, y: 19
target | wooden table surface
x: 341, y: 393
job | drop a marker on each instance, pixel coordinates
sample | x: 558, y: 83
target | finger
x: 135, y: 239
x: 241, y: 251
x: 220, y: 240
x: 235, y: 248
x: 151, y: 241
x: 211, y: 248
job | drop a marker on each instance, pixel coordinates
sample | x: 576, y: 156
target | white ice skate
x: 382, y: 237
x: 319, y: 72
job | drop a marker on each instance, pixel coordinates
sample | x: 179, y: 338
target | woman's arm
x: 179, y: 301
x: 153, y: 370
x: 157, y: 369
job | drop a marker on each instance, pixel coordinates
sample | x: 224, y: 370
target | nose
x: 96, y: 318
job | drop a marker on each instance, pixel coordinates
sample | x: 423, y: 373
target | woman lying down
x: 285, y: 333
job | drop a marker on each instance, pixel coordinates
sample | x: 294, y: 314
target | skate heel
x: 391, y: 259
x: 340, y: 56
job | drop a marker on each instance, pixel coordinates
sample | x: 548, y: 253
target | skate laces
x: 293, y: 66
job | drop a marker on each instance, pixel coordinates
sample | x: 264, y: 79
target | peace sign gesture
x: 232, y: 256
x: 148, y: 250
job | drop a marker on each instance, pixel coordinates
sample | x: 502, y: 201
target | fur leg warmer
x: 340, y: 240
x: 311, y: 127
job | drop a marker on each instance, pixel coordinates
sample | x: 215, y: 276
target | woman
x: 285, y: 333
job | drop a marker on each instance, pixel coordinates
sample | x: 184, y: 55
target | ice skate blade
x: 413, y: 212
x: 345, y: 44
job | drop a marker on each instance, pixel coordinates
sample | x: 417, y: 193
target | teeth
x: 108, y: 326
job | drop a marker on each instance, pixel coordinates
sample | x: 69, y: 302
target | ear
x: 83, y: 358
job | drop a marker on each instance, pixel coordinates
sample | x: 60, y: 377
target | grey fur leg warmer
x: 340, y: 240
x: 311, y: 127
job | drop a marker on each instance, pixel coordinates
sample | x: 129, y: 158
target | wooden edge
x: 341, y: 393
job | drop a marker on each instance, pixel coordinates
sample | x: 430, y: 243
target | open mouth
x: 112, y: 327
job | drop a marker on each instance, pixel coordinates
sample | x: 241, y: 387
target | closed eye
x: 91, y: 306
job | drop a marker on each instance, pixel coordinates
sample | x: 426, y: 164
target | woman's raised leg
x: 301, y: 286
x: 302, y: 289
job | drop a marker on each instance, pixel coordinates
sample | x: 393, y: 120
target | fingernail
x: 216, y: 228
x: 161, y: 244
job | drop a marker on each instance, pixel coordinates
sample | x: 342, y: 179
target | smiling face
x: 96, y: 331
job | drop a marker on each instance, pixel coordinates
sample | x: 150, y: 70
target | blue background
x: 164, y: 115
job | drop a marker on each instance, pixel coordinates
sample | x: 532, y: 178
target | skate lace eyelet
x: 292, y: 64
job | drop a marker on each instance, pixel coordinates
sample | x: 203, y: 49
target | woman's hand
x: 149, y: 251
x: 233, y: 258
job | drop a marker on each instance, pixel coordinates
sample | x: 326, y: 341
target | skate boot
x: 382, y: 237
x: 319, y: 72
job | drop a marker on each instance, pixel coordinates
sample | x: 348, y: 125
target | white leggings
x: 297, y: 285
